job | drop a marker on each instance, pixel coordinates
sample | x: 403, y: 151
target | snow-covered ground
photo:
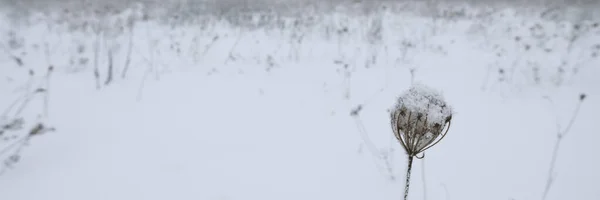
x: 215, y: 111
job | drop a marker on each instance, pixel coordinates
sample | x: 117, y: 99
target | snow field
x: 205, y: 127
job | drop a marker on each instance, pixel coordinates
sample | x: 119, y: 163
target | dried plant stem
x: 142, y: 84
x: 207, y: 47
x: 560, y: 135
x: 370, y: 146
x: 551, y: 170
x: 20, y: 142
x: 414, y: 136
x: 19, y: 100
x: 424, y: 179
x: 237, y: 41
x: 17, y: 146
x: 24, y: 103
x: 47, y: 93
x: 408, y: 170
x: 347, y: 82
x: 129, y: 50
x: 96, y: 69
x: 110, y: 71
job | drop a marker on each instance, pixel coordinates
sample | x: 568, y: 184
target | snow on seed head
x: 426, y: 101
x: 419, y: 118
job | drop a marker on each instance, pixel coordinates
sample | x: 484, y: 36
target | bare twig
x: 560, y: 135
x: 28, y: 99
x: 47, y: 90
x: 209, y: 45
x: 96, y: 57
x: 37, y: 129
x: 129, y: 50
x: 574, y: 116
x: 237, y: 41
x: 16, y: 124
x: 295, y: 44
x: 26, y: 95
x: 19, y: 142
x: 386, y: 156
x: 370, y: 146
x: 109, y: 76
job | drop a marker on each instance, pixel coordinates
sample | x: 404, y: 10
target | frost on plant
x: 420, y: 118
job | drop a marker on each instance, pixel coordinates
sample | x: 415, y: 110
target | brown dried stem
x: 408, y: 171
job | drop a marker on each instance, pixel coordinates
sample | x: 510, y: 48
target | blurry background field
x: 252, y: 99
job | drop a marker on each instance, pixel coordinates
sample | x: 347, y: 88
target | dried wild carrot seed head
x: 420, y: 118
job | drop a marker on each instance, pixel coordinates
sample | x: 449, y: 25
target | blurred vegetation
x: 241, y: 12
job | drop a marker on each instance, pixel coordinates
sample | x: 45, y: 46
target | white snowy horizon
x: 258, y: 105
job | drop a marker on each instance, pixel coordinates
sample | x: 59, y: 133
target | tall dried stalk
x: 560, y: 135
x: 129, y: 49
x: 420, y: 119
x: 408, y: 171
x: 110, y: 72
x: 96, y: 61
x: 424, y: 179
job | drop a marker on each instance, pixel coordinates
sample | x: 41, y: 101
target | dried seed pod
x: 420, y: 119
